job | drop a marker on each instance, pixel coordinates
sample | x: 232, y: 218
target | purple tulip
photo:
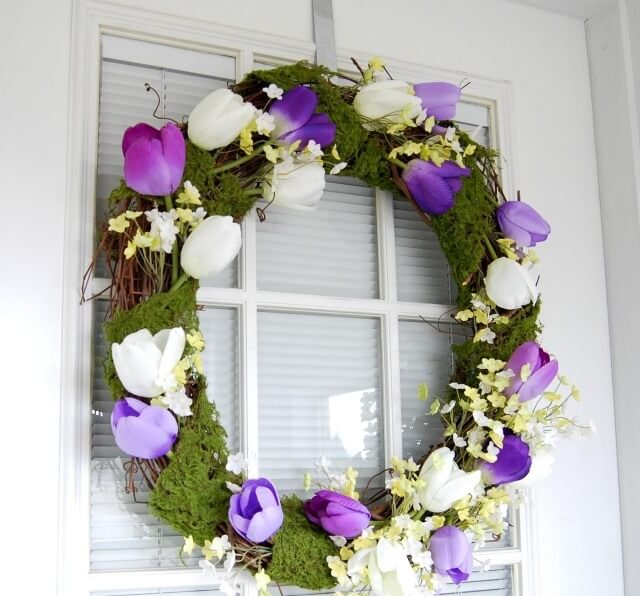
x: 439, y: 99
x: 153, y: 159
x: 337, y: 514
x: 451, y: 553
x: 433, y: 187
x: 296, y: 120
x: 513, y: 463
x: 141, y: 430
x: 522, y: 223
x: 255, y: 512
x: 542, y: 371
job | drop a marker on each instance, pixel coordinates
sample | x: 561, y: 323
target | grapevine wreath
x: 175, y: 219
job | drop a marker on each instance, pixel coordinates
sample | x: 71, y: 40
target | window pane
x: 332, y: 251
x: 425, y: 357
x: 123, y: 533
x: 319, y: 394
x: 123, y: 103
x: 422, y: 270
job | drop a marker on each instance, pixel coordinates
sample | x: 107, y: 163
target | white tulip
x: 509, y: 284
x: 445, y: 482
x: 211, y: 246
x: 389, y: 570
x: 145, y: 363
x: 392, y: 100
x: 542, y: 462
x: 218, y: 119
x: 296, y: 184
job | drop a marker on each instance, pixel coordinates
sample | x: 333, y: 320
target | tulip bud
x: 211, y: 247
x: 509, y: 284
x: 445, y: 482
x: 255, y: 512
x: 141, y: 430
x: 337, y: 514
x: 540, y: 371
x: 153, y: 159
x: 438, y: 99
x: 144, y: 362
x: 513, y: 462
x: 393, y: 101
x: 451, y: 553
x: 218, y: 119
x: 522, y: 223
x: 296, y: 184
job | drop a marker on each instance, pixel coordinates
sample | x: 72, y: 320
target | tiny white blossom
x: 234, y: 488
x: 273, y: 91
x: 339, y: 541
x: 422, y: 116
x: 458, y: 441
x: 198, y: 215
x: 163, y: 227
x: 311, y: 152
x: 265, y: 123
x: 208, y: 568
x: 450, y: 134
x: 322, y: 465
x: 492, y: 449
x: 236, y: 463
x: 178, y: 402
x: 459, y: 386
x: 446, y: 409
x: 338, y: 168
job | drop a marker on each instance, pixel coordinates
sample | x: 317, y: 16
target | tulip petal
x: 149, y: 435
x: 171, y: 343
x: 137, y: 368
x: 439, y: 99
x: 348, y: 525
x: 522, y: 223
x: 513, y: 462
x: 458, y: 486
x: 293, y: 110
x: 137, y: 132
x: 264, y: 524
x: 318, y: 128
x: 175, y: 153
x: 538, y: 381
x: 145, y: 168
x: 525, y: 353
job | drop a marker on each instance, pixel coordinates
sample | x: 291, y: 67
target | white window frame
x: 92, y: 19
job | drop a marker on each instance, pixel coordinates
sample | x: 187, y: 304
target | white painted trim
x: 92, y: 18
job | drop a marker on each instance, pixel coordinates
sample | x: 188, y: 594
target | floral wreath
x: 175, y: 219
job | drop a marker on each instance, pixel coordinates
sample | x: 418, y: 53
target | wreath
x: 175, y: 219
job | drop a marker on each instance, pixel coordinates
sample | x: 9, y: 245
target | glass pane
x: 422, y: 270
x: 123, y: 533
x: 473, y: 118
x: 332, y: 251
x: 123, y: 103
x: 496, y: 581
x: 425, y: 357
x: 319, y: 390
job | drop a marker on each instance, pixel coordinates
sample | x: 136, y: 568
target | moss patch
x: 191, y: 494
x: 300, y: 551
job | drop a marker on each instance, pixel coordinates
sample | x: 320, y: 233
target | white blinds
x: 319, y: 395
x: 186, y: 591
x: 332, y: 251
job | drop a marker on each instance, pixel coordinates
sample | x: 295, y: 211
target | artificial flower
x: 542, y: 462
x: 189, y: 196
x: 392, y: 100
x: 163, y: 229
x: 153, y: 159
x: 296, y: 184
x: 337, y: 514
x: 145, y: 362
x: 451, y: 553
x: 211, y: 247
x: 255, y: 512
x: 444, y: 482
x: 178, y: 402
x: 513, y: 461
x: 509, y: 284
x: 433, y: 187
x: 438, y: 99
x: 141, y: 430
x: 236, y: 463
x: 218, y: 119
x: 522, y: 223
x: 533, y: 371
x: 273, y: 91
x: 295, y: 119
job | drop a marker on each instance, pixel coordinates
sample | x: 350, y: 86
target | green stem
x: 178, y: 283
x: 254, y: 192
x: 490, y: 248
x: 175, y: 263
x: 397, y: 162
x: 239, y: 161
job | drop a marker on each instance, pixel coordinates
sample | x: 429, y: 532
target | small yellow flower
x: 180, y: 371
x: 335, y: 154
x: 525, y: 372
x: 184, y: 215
x: 376, y: 63
x: 196, y: 340
x: 197, y: 363
x: 464, y: 315
x: 189, y: 196
x: 130, y: 251
x: 118, y: 224
x: 469, y: 150
x: 271, y: 153
x: 435, y: 408
x: 575, y: 393
x: 345, y: 553
x: 189, y: 545
x: 307, y: 481
x: 262, y: 582
x: 438, y: 521
x: 423, y: 392
x: 132, y: 214
x: 246, y: 140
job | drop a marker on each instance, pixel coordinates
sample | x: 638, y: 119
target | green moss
x: 191, y: 494
x: 300, y: 551
x: 161, y: 311
x: 301, y: 73
x: 121, y: 193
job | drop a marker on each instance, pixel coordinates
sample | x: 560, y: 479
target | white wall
x: 543, y: 55
x: 614, y: 55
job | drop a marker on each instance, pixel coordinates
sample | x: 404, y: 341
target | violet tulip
x: 141, y: 430
x: 439, y: 99
x: 255, y: 512
x: 295, y: 119
x: 451, y: 553
x: 522, y: 223
x: 337, y: 514
x: 513, y: 463
x: 539, y: 371
x: 433, y: 187
x: 153, y: 159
